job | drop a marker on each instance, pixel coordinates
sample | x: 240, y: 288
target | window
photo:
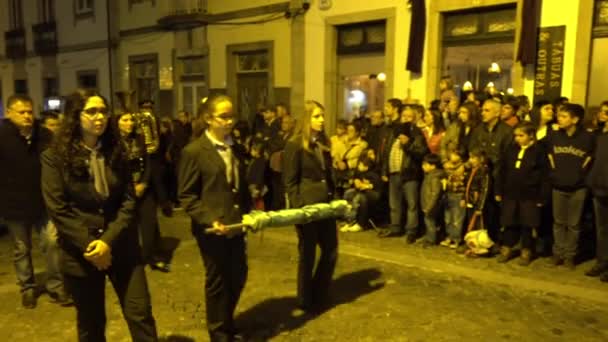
x: 46, y: 11
x: 254, y: 61
x: 193, y: 65
x: 51, y: 86
x: 362, y: 37
x: 87, y: 79
x: 15, y: 14
x: 21, y: 87
x: 600, y: 19
x: 144, y: 76
x: 480, y: 25
x: 83, y: 7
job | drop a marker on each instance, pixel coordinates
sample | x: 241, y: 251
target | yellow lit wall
x: 159, y: 43
x: 568, y: 13
x: 68, y: 65
x: 315, y: 32
x: 215, y: 7
x: 220, y: 36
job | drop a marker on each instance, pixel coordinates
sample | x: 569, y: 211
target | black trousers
x: 514, y: 233
x: 129, y: 282
x: 278, y: 191
x: 313, y: 289
x: 149, y: 229
x: 225, y: 275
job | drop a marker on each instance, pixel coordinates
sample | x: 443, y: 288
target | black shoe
x: 28, y: 299
x: 597, y: 270
x: 61, y: 297
x: 555, y: 261
x: 427, y: 244
x: 604, y: 277
x: 410, y: 239
x: 160, y: 266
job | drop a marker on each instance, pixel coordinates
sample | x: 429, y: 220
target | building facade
x: 349, y: 55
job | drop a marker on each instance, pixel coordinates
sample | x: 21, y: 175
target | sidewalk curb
x: 441, y: 267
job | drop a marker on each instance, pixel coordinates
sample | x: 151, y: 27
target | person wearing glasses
x: 89, y: 196
x: 212, y: 190
x: 22, y: 140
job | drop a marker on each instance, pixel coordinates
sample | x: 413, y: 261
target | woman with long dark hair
x: 308, y: 179
x: 89, y: 197
x: 458, y: 134
x: 139, y: 167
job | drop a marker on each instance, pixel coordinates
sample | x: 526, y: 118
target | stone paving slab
x: 376, y: 298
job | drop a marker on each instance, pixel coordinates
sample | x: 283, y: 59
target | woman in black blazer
x: 88, y: 195
x: 213, y: 192
x: 308, y: 179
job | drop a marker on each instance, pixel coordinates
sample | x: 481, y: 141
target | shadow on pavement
x: 168, y: 245
x: 273, y: 316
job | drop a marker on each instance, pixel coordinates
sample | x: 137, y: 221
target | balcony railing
x: 180, y: 14
x: 45, y: 38
x: 15, y: 44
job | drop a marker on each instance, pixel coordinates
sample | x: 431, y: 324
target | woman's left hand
x: 99, y: 254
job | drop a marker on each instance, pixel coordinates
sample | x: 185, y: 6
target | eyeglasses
x: 93, y: 111
x: 224, y: 117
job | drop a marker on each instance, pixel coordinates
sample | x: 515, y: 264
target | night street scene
x: 303, y: 170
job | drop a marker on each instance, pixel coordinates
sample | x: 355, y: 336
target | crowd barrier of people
x: 485, y: 175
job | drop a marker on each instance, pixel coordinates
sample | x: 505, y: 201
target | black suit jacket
x: 81, y: 215
x: 204, y: 191
x: 20, y: 196
x: 306, y: 182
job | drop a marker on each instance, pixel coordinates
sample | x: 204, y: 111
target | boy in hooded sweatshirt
x: 570, y: 151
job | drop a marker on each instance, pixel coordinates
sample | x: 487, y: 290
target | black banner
x: 548, y: 72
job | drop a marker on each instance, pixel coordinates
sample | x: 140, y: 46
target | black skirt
x: 520, y: 212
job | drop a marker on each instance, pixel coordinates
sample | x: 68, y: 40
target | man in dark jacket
x: 402, y: 168
x: 493, y: 137
x: 22, y: 140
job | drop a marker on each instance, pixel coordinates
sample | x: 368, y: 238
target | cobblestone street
x: 384, y: 291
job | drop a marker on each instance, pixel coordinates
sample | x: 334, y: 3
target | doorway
x: 361, y: 88
x: 252, y: 92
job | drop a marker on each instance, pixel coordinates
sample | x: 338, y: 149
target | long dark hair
x: 132, y: 145
x: 535, y: 116
x: 205, y: 111
x: 67, y: 142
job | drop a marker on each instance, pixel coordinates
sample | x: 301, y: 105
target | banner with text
x: 548, y: 72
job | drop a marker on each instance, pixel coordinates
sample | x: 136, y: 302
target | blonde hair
x: 304, y: 130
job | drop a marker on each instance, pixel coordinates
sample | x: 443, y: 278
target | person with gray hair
x: 493, y: 137
x: 22, y: 140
